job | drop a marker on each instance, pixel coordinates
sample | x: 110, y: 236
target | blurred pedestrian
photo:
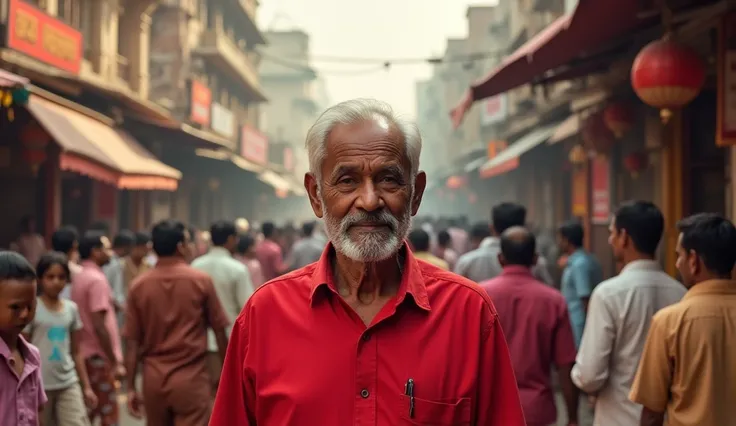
x: 687, y: 370
x: 99, y: 337
x: 55, y: 332
x: 29, y: 243
x: 66, y: 240
x: 169, y: 311
x: 306, y: 250
x: 419, y: 243
x: 582, y: 273
x: 536, y: 323
x: 620, y: 312
x: 269, y: 252
x: 231, y: 280
x: 21, y: 386
x: 444, y: 242
x: 246, y: 253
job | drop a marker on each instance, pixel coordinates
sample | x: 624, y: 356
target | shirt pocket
x: 445, y: 412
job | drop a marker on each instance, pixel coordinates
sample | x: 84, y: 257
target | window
x: 77, y: 14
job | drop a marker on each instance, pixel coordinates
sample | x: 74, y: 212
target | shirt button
x: 364, y: 393
x: 366, y: 337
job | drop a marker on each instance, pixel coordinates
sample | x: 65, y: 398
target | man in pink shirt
x: 269, y: 254
x: 246, y: 253
x: 535, y: 321
x: 99, y: 341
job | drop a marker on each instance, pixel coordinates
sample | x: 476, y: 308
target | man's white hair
x: 356, y: 111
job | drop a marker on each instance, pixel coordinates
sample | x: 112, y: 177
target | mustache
x: 381, y: 217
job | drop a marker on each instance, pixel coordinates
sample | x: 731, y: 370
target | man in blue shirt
x: 582, y: 273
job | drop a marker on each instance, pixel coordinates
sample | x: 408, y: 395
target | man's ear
x: 420, y: 183
x: 312, y: 186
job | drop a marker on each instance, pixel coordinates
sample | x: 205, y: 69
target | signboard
x: 493, y: 110
x: 580, y: 192
x: 38, y: 35
x: 223, y: 120
x: 600, y: 190
x: 201, y: 102
x: 288, y: 158
x: 253, y: 145
x: 495, y: 148
x: 726, y: 116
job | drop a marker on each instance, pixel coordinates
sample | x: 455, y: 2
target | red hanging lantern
x: 636, y: 162
x: 667, y: 75
x: 618, y: 118
x: 596, y: 136
x: 34, y: 140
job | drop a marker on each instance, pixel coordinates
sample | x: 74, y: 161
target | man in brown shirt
x: 167, y: 316
x: 688, y: 367
x: 136, y: 261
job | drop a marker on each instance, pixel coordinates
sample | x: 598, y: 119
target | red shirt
x: 298, y: 354
x: 539, y: 334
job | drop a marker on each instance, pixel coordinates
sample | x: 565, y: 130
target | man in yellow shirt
x: 688, y: 369
x: 419, y: 242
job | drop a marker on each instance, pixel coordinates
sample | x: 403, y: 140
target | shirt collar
x: 167, y: 261
x: 642, y: 265
x: 489, y: 242
x: 412, y: 281
x: 220, y: 251
x: 714, y: 287
x: 92, y: 265
x: 28, y: 355
x: 516, y: 270
x: 579, y: 253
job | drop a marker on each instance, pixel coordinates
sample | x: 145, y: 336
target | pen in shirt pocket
x: 409, y: 391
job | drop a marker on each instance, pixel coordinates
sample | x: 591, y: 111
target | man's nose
x: 369, y: 199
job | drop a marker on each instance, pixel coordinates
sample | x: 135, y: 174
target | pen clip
x: 410, y: 393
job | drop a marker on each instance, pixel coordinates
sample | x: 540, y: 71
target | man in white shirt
x: 232, y: 283
x: 620, y: 312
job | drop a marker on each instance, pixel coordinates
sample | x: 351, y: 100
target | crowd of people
x: 369, y: 319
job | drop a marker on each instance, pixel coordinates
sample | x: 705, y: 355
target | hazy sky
x: 383, y: 29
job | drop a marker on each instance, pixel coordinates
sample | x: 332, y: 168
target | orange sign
x: 580, y: 192
x: 495, y: 148
x: 201, y: 103
x: 42, y: 37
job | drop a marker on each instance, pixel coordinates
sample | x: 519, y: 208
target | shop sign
x: 223, y: 120
x: 600, y: 190
x: 253, y: 145
x: 493, y: 110
x: 201, y: 102
x: 726, y: 117
x: 495, y: 148
x: 580, y: 192
x: 38, y: 35
x: 288, y: 158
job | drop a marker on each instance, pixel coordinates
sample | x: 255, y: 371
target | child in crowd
x: 54, y: 331
x: 21, y: 388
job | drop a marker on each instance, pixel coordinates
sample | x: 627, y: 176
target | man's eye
x: 346, y: 181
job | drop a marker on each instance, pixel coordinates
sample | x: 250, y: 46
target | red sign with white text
x: 201, y: 103
x: 38, y: 35
x: 600, y: 191
x: 253, y: 145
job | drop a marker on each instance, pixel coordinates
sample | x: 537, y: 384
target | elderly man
x: 367, y: 335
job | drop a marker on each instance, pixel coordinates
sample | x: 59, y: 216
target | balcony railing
x: 218, y: 46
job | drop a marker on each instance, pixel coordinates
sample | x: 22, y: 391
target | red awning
x: 590, y: 26
x: 8, y: 79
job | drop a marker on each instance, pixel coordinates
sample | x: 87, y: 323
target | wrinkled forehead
x: 368, y: 146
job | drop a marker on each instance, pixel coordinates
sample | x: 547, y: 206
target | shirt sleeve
x: 498, y: 394
x: 591, y: 371
x: 76, y: 319
x: 243, y: 287
x: 99, y: 296
x: 235, y: 399
x: 132, y: 324
x: 215, y: 315
x: 581, y: 279
x: 652, y: 382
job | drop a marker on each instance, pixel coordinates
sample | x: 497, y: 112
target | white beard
x: 371, y: 246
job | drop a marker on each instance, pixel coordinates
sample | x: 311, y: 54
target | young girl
x: 54, y: 331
